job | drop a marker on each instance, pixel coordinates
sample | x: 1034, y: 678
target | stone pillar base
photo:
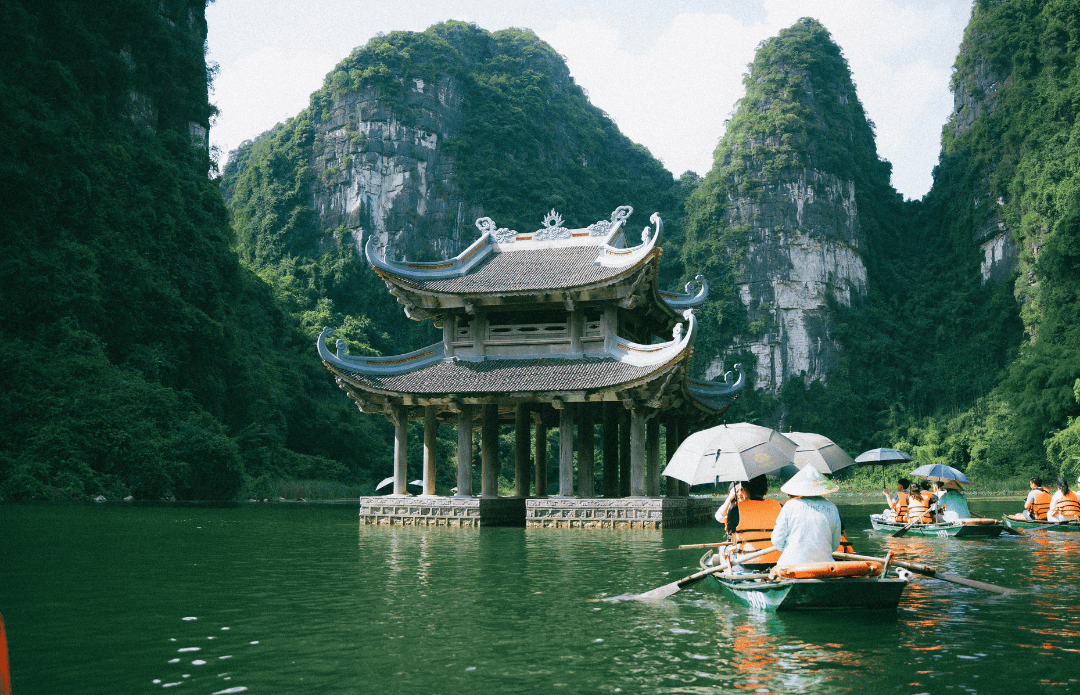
x: 622, y: 513
x: 468, y: 512
x: 549, y: 512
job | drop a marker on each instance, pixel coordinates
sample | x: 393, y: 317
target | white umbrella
x: 730, y: 452
x: 819, y: 451
x: 386, y: 481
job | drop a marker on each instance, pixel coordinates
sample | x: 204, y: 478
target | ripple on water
x: 224, y: 645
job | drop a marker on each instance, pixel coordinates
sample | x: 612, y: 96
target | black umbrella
x: 882, y: 457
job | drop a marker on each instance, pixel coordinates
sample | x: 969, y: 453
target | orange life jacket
x: 919, y: 508
x: 1068, y: 505
x: 757, y: 518
x: 1041, y: 504
x: 901, y: 507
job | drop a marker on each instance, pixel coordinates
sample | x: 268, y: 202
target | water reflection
x: 317, y: 603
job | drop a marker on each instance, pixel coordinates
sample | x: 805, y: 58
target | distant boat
x: 961, y: 528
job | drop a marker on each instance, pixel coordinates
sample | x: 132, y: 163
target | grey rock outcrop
x: 380, y: 170
x: 804, y: 243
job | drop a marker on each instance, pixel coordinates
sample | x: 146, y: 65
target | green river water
x: 299, y: 598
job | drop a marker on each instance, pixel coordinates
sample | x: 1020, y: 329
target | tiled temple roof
x: 502, y: 376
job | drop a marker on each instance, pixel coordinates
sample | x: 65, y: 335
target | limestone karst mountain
x: 796, y: 197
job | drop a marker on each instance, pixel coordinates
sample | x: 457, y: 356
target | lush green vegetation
x: 935, y: 361
x: 153, y: 346
x: 139, y: 356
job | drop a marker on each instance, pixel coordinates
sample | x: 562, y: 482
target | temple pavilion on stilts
x: 553, y: 328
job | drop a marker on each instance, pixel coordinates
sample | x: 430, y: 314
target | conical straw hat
x: 809, y: 482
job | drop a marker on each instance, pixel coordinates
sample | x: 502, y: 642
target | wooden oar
x: 1056, y: 523
x: 929, y: 571
x: 676, y: 586
x: 700, y: 545
x: 904, y: 530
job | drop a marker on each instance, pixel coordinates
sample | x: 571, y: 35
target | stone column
x: 671, y: 436
x: 652, y: 454
x: 400, y: 415
x: 489, y: 450
x: 464, y: 452
x: 586, y: 452
x: 624, y: 454
x: 683, y: 433
x: 566, y: 451
x: 541, y: 456
x: 611, y: 450
x: 637, y: 453
x: 521, y: 450
x: 431, y: 429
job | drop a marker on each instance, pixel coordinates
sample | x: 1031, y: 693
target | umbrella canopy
x: 819, y: 451
x: 882, y: 456
x: 940, y: 472
x: 730, y: 452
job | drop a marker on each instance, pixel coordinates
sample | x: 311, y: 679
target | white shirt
x: 807, y: 530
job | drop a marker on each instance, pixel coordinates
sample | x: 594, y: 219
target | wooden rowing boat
x: 1028, y: 524
x: 827, y: 594
x: 962, y: 528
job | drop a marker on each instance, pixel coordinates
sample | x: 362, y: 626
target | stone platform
x: 546, y: 512
x: 389, y: 510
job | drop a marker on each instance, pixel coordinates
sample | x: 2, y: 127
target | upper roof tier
x: 550, y: 264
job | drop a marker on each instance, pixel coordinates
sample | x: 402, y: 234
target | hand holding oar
x: 676, y: 586
x: 928, y: 571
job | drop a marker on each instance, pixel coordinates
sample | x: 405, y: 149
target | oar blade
x: 964, y: 581
x: 660, y: 592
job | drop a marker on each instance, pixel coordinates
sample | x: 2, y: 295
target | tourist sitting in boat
x: 808, y: 527
x: 919, y: 505
x: 1064, y: 506
x: 951, y: 503
x: 898, y: 506
x: 749, y: 522
x: 1038, y: 501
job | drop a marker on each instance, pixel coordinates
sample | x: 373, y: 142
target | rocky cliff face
x: 380, y: 169
x: 416, y: 135
x: 795, y: 193
x: 804, y: 243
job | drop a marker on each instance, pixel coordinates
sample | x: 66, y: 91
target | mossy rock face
x: 782, y: 216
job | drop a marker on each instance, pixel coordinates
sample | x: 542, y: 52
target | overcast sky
x: 668, y: 72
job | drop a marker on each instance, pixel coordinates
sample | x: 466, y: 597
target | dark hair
x: 1037, y: 480
x: 925, y: 485
x: 1063, y: 484
x: 904, y: 483
x: 757, y: 487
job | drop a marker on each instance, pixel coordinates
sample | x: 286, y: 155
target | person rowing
x: 808, y: 526
x: 951, y: 503
x: 749, y: 519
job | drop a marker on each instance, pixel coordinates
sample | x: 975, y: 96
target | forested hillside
x: 139, y: 356
x: 509, y: 136
x: 984, y: 376
x: 157, y: 325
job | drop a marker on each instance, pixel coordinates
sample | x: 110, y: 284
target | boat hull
x: 955, y: 529
x: 1026, y: 524
x: 839, y: 594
